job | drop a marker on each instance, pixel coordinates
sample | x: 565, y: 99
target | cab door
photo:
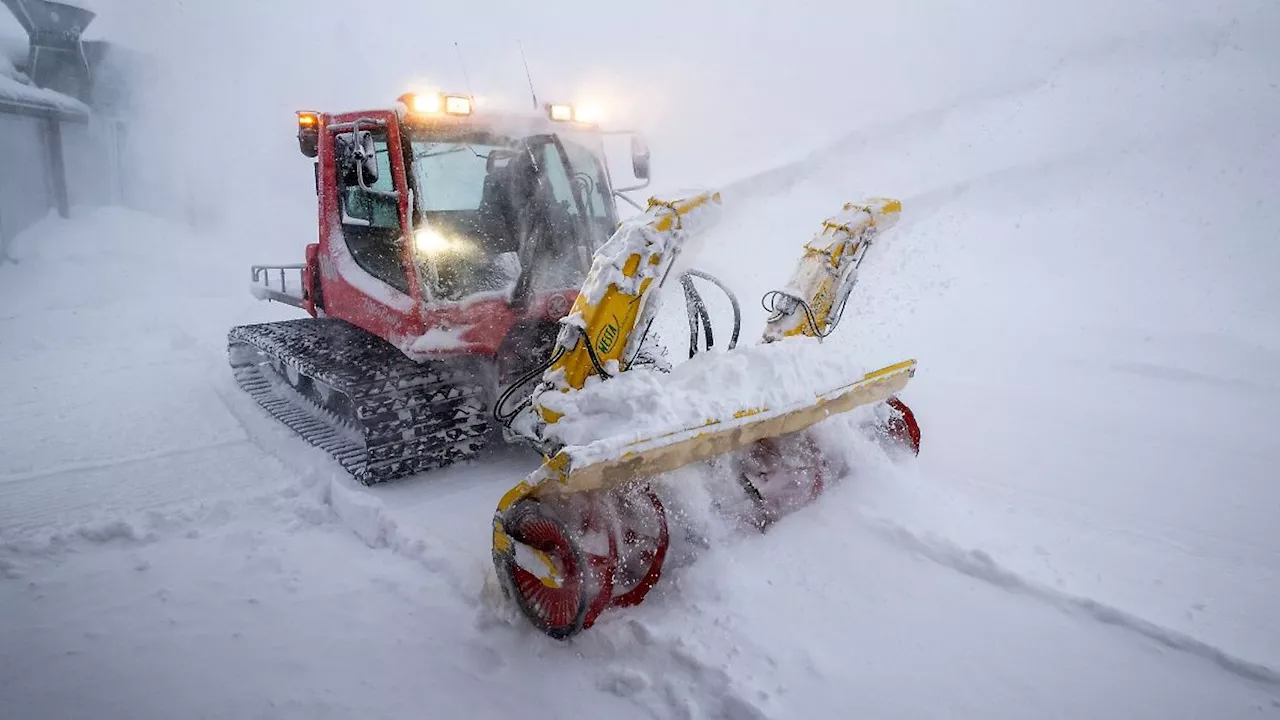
x: 366, y: 269
x: 555, y: 243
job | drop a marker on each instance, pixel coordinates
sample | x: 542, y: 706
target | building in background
x: 65, y: 106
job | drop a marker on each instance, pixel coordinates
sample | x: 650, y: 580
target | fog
x: 1084, y: 270
x: 720, y: 90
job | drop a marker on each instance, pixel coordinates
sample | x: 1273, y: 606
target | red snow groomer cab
x: 451, y: 241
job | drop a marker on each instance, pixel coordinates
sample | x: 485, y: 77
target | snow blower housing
x: 472, y: 279
x: 586, y: 531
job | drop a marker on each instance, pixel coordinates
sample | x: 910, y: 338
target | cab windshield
x: 488, y: 209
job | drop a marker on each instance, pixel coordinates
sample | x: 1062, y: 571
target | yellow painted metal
x: 622, y: 274
x: 684, y: 446
x: 612, y: 306
x: 675, y: 449
x: 826, y: 268
x: 551, y: 579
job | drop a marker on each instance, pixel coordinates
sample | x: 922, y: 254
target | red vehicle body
x: 478, y: 325
x: 449, y: 245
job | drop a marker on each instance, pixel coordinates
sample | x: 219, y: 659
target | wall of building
x: 91, y: 154
x: 26, y: 193
x: 91, y: 139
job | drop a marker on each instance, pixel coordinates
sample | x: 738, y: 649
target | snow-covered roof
x: 16, y: 90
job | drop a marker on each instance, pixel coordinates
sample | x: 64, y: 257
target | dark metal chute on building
x: 56, y: 59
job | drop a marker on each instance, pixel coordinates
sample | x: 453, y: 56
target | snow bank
x: 978, y: 564
x: 643, y: 402
x: 1085, y: 269
x: 103, y: 254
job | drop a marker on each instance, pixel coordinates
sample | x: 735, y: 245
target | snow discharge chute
x: 584, y: 531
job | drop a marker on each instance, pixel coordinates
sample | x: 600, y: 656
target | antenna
x: 528, y: 75
x: 465, y: 76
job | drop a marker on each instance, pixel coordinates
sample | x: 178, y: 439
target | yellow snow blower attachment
x: 584, y: 531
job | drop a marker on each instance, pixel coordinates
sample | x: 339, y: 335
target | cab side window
x: 592, y: 182
x: 558, y: 177
x: 371, y: 222
x: 563, y: 253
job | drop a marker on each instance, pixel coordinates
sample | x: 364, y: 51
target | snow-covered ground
x: 1084, y: 268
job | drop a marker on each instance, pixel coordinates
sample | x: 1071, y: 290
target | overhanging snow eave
x: 41, y: 110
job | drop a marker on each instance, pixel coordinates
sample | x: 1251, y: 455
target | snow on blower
x: 472, y: 280
x: 584, y: 532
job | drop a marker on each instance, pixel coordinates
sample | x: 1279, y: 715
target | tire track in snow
x: 979, y: 565
x: 362, y: 513
x: 658, y: 672
x: 72, y: 468
x: 664, y: 673
x: 129, y: 499
x: 685, y: 686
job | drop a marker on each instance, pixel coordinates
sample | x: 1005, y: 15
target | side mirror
x: 640, y: 157
x: 309, y: 143
x: 357, y: 158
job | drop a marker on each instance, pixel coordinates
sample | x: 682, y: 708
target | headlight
x: 586, y: 114
x: 564, y: 112
x: 457, y: 105
x: 433, y: 244
x: 437, y: 103
x: 425, y: 104
x: 430, y: 242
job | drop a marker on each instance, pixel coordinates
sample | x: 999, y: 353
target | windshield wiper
x: 421, y: 155
x: 460, y: 148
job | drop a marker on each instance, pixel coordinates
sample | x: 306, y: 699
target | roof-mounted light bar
x: 582, y: 114
x: 437, y: 104
x: 457, y: 105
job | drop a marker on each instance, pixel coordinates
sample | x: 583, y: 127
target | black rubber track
x: 352, y: 394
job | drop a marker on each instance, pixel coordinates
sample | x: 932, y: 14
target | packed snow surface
x: 1084, y: 268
